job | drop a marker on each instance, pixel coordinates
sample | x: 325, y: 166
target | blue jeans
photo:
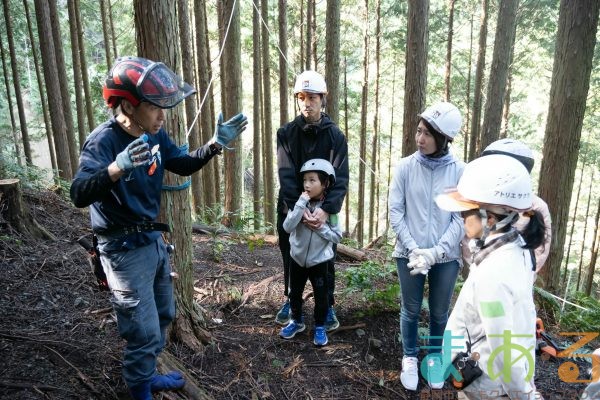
x: 142, y: 297
x: 442, y: 278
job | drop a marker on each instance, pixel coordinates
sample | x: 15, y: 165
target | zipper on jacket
x: 308, y: 248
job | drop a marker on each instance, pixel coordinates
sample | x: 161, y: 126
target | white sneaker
x: 435, y: 374
x: 410, y: 373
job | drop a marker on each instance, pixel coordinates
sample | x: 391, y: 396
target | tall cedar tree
x: 156, y: 44
x: 503, y: 44
x: 284, y: 112
x: 13, y: 125
x: 415, y: 78
x: 17, y: 84
x: 57, y: 115
x: 256, y: 110
x: 269, y: 183
x: 77, y: 80
x: 332, y: 59
x: 360, y: 227
x: 575, y: 41
x: 374, y: 171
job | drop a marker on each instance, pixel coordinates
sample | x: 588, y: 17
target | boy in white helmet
x: 311, y: 249
x: 493, y: 319
x: 312, y: 134
x: 427, y: 238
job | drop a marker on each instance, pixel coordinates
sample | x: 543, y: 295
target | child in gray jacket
x: 310, y: 249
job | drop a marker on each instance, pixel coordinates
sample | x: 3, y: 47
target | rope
x: 172, y: 188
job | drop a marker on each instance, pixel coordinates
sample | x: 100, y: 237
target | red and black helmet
x: 138, y: 79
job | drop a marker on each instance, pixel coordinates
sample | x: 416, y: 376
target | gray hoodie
x: 307, y: 247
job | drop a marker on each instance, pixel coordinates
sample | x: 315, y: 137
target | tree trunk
x: 373, y: 199
x: 332, y: 59
x: 17, y: 213
x: 13, y: 125
x: 194, y: 138
x: 59, y: 127
x: 269, y: 202
x: 84, y: 73
x: 309, y: 33
x: 576, y: 38
x: 105, y: 33
x: 503, y: 44
x: 302, y: 49
x: 347, y: 200
x: 585, y: 225
x: 257, y: 106
x: 65, y: 95
x: 284, y: 113
x: 43, y: 98
x: 415, y: 78
x: 206, y: 115
x: 156, y: 44
x: 389, y: 159
x: 468, y: 91
x: 111, y: 25
x: 313, y: 28
x: 79, y: 108
x: 363, y: 132
x: 478, y: 89
x: 448, y: 70
x: 594, y: 253
x: 232, y: 95
x: 17, y: 84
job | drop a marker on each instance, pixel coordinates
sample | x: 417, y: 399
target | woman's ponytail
x: 534, y: 232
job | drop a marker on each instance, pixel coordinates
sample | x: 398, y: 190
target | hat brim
x: 454, y: 202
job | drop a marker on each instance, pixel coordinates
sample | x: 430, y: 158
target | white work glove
x: 423, y: 259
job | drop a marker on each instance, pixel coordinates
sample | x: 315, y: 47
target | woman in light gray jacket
x: 427, y: 238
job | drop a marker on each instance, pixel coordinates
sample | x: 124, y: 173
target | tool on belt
x: 94, y: 260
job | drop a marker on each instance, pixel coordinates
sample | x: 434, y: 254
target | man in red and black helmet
x: 120, y: 178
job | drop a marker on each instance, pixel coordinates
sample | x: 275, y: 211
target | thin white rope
x: 187, y: 135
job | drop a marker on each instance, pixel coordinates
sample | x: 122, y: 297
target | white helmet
x: 513, y: 148
x: 497, y: 183
x: 310, y: 81
x: 319, y: 165
x: 443, y: 117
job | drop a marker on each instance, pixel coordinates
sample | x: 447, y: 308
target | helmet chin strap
x: 134, y: 120
x: 508, y: 219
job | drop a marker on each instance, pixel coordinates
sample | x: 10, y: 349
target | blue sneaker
x: 331, y: 321
x: 320, y: 338
x: 291, y: 329
x: 284, y: 315
x: 172, y: 380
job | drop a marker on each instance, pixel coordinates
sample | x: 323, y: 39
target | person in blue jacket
x: 311, y: 249
x: 120, y: 176
x: 427, y: 238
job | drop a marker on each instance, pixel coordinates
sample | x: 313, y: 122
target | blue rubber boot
x: 172, y: 380
x: 141, y: 391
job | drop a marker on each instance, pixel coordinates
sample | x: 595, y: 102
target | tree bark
x: 232, y: 96
x: 415, y: 78
x: 43, y: 98
x: 13, y: 125
x: 269, y: 182
x: 59, y: 127
x: 105, y: 33
x: 347, y: 200
x: 257, y: 107
x: 503, y: 44
x: 448, y: 70
x: 79, y: 108
x: 478, y: 89
x: 363, y: 131
x: 576, y: 38
x: 17, y: 84
x: 84, y: 73
x: 332, y: 59
x: 194, y: 139
x: 309, y: 33
x: 468, y: 99
x: 374, y: 172
x: 63, y: 84
x: 585, y: 225
x: 284, y: 113
x: 204, y: 73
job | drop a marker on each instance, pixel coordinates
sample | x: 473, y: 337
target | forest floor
x: 59, y: 340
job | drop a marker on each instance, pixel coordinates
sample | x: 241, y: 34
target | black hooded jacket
x: 298, y: 142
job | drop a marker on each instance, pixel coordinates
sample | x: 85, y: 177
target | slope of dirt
x: 58, y: 337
